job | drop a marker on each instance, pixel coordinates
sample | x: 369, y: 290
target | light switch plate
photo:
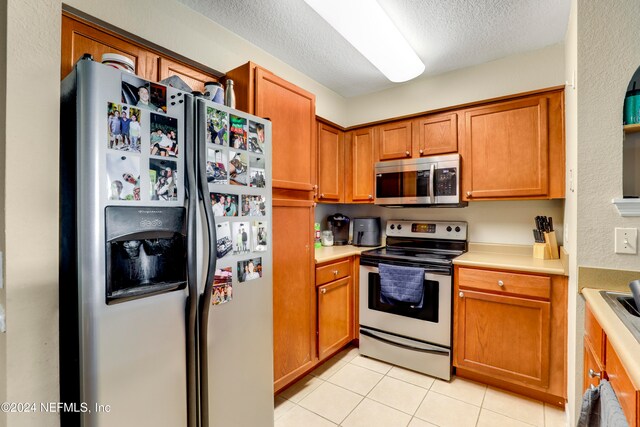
x: 626, y: 241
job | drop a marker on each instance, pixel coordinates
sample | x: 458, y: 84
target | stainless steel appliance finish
x: 625, y: 308
x: 428, y: 181
x: 131, y: 355
x: 138, y: 331
x: 236, y: 338
x: 366, y: 231
x: 418, y: 338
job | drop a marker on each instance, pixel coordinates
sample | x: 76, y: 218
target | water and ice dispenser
x: 146, y: 252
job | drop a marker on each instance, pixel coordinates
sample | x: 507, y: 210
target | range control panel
x: 454, y: 230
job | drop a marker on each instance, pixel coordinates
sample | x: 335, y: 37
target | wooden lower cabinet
x: 294, y: 301
x: 335, y: 316
x: 602, y: 361
x: 510, y: 330
x: 593, y: 369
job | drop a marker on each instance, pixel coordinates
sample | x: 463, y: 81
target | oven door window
x: 428, y: 311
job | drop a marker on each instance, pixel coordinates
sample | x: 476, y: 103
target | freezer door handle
x: 191, y: 308
x: 205, y: 297
x: 430, y: 350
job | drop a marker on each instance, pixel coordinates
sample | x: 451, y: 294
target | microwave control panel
x: 446, y: 182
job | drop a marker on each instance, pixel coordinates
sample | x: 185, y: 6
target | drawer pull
x: 335, y: 272
x: 594, y: 374
x: 323, y: 291
x: 500, y: 283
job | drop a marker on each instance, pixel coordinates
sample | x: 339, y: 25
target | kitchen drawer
x: 594, y: 334
x: 625, y: 391
x: 330, y: 272
x: 593, y: 369
x: 507, y: 283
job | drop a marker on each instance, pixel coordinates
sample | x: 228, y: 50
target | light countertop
x: 623, y: 342
x: 511, y: 257
x: 331, y: 253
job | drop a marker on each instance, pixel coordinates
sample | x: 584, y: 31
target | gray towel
x: 401, y: 284
x: 600, y: 408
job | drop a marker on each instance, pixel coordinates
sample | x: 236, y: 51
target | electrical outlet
x: 626, y: 241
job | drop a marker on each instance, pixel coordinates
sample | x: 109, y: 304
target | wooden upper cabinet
x: 330, y: 164
x: 79, y: 38
x: 394, y: 140
x: 435, y: 134
x: 194, y: 78
x: 514, y: 149
x: 292, y: 111
x: 360, y: 162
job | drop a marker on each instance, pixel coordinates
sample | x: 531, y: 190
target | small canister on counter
x: 120, y: 62
x: 214, y: 91
x: 327, y: 238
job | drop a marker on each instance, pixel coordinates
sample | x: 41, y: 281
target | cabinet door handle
x: 500, y: 283
x: 322, y: 195
x: 407, y: 153
x: 468, y: 193
x: 370, y: 197
x: 421, y: 151
x: 594, y: 374
x: 461, y: 294
x: 323, y: 291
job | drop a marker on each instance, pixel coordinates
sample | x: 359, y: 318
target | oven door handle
x: 438, y: 270
x: 370, y: 334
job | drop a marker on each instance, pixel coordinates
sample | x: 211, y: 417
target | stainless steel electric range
x: 413, y: 336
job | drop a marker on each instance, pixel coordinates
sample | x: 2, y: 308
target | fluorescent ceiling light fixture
x: 368, y: 28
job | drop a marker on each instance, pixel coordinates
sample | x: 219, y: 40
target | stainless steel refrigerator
x: 166, y: 266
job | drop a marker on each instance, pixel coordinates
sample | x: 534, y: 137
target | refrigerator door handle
x: 192, y: 269
x: 205, y: 297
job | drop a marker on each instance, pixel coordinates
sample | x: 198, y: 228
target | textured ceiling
x: 446, y: 34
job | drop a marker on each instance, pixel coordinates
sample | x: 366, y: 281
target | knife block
x: 548, y: 249
x: 541, y: 251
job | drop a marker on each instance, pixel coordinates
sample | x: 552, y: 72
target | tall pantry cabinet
x: 292, y: 112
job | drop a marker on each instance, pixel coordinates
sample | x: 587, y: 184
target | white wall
x: 3, y: 115
x: 31, y: 206
x: 608, y: 56
x: 508, y: 222
x: 517, y: 73
x: 574, y: 326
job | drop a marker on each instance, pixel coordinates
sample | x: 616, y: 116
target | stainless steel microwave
x: 428, y: 181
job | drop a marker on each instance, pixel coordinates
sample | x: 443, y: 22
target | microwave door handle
x: 432, y: 171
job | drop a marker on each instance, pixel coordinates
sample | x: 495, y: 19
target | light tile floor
x: 355, y: 391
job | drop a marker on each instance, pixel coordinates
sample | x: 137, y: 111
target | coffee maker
x: 339, y: 226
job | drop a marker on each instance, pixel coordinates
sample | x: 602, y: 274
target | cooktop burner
x: 431, y: 257
x: 421, y: 243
